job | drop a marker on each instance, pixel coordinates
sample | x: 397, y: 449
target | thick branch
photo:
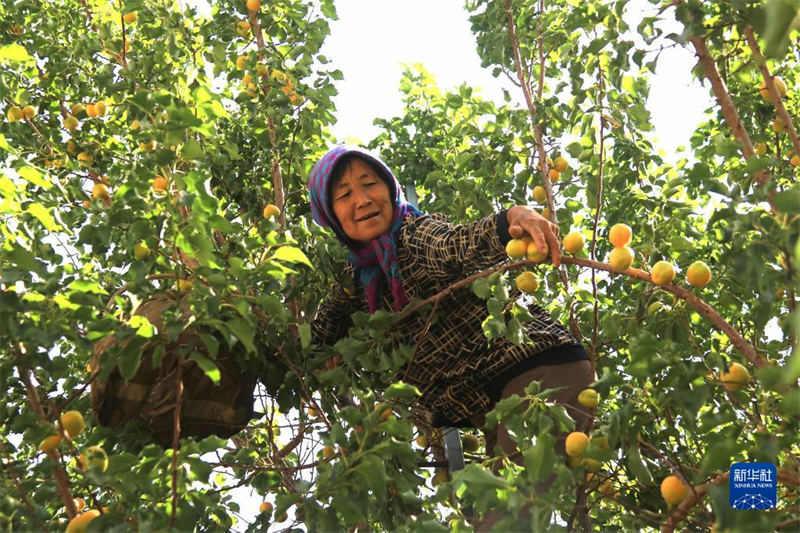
x: 62, y: 482
x: 726, y: 103
x: 695, y: 301
x: 769, y: 81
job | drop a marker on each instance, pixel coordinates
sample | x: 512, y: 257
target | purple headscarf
x: 380, y: 254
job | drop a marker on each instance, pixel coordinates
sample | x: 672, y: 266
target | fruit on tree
x: 271, y: 211
x: 554, y: 175
x: 654, y: 308
x: 539, y: 194
x: 70, y: 122
x: 795, y: 160
x: 243, y: 28
x: 14, y: 114
x: 621, y: 258
x: 698, y: 274
x: 576, y: 442
x: 620, y: 234
x: 673, y: 490
x: 91, y: 110
x: 100, y: 192
x: 662, y: 273
x: 328, y: 452
x: 527, y: 282
x: 766, y: 94
x: 384, y: 409
x: 149, y: 146
x: 516, y: 248
x: 101, y: 107
x: 592, y: 465
x: 50, y: 443
x: 160, y: 184
x: 79, y: 504
x: 470, y: 442
x: 241, y: 62
x: 778, y: 125
x: 560, y: 163
x: 80, y: 522
x: 761, y: 148
x: 73, y: 423
x: 440, y: 477
x: 96, y: 458
x: 533, y: 253
x: 573, y: 242
x: 422, y: 440
x: 253, y: 5
x: 130, y: 17
x: 28, y: 111
x: 265, y: 507
x: 185, y: 284
x: 735, y: 378
x: 141, y: 251
x: 589, y: 398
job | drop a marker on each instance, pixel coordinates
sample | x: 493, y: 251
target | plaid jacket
x: 455, y: 367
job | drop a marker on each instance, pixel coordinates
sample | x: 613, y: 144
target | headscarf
x: 378, y: 255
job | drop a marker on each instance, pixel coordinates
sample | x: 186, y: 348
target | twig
x: 773, y: 91
x: 176, y: 435
x: 726, y: 103
x: 15, y: 477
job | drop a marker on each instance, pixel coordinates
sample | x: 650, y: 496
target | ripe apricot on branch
x: 698, y: 274
x: 620, y: 234
x: 735, y: 378
x: 576, y: 442
x: 271, y: 211
x: 764, y: 91
x: 71, y: 123
x: 131, y: 17
x: 253, y: 5
x: 14, y: 114
x: 96, y: 457
x: 100, y: 192
x: 80, y: 522
x: 160, y: 184
x: 621, y: 258
x: 50, y: 443
x: 328, y: 452
x: 73, y: 423
x: 516, y: 248
x: 662, y: 273
x: 554, y: 175
x: 28, y: 111
x: 573, y: 242
x: 265, y: 507
x: 560, y: 163
x: 539, y: 194
x: 534, y: 254
x: 527, y: 282
x: 589, y: 398
x: 243, y: 28
x: 141, y: 251
x: 673, y: 490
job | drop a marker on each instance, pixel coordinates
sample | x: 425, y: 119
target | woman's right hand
x: 524, y: 220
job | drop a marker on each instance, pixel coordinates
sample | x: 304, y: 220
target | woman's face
x: 362, y: 202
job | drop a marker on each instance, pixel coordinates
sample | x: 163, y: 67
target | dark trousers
x: 573, y: 377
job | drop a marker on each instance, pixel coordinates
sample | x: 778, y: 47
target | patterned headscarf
x: 380, y: 254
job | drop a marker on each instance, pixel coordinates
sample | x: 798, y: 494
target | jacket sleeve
x: 458, y: 250
x: 332, y: 319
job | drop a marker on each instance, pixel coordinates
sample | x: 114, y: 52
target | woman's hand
x: 524, y: 220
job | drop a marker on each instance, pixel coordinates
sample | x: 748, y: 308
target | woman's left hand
x: 525, y: 220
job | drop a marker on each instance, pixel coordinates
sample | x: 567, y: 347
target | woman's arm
x: 458, y: 250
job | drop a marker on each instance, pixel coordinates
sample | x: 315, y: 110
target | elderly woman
x: 397, y: 254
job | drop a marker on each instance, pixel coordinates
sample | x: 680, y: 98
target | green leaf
x: 305, y: 335
x: 43, y: 215
x: 130, y: 359
x: 244, y: 332
x: 788, y: 201
x: 207, y: 365
x: 192, y: 150
x: 638, y: 466
x: 34, y: 176
x: 401, y: 390
x: 14, y: 53
x: 290, y: 254
x: 780, y: 22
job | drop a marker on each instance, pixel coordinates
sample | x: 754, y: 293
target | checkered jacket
x: 454, y: 365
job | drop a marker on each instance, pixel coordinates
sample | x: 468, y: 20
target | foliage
x: 231, y: 135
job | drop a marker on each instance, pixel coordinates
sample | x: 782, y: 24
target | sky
x: 372, y: 39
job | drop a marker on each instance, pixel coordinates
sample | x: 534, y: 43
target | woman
x: 398, y: 254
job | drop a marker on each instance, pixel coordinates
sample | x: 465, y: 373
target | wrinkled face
x: 362, y: 202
